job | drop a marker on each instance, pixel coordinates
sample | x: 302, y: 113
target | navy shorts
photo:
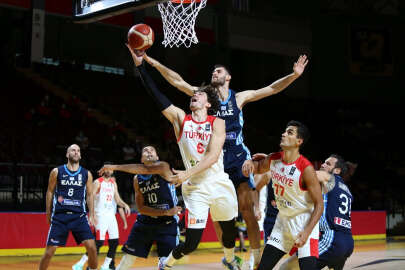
x: 233, y: 161
x: 143, y: 235
x: 336, y: 255
x: 268, y: 225
x: 62, y: 223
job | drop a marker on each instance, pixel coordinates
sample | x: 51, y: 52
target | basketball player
x: 235, y: 151
x: 156, y: 201
x: 106, y: 199
x: 336, y: 242
x: 298, y: 197
x: 206, y: 187
x: 68, y: 186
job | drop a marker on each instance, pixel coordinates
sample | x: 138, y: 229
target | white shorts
x: 215, y: 195
x: 285, y: 231
x: 106, y: 224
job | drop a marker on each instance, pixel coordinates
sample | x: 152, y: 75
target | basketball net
x: 178, y: 17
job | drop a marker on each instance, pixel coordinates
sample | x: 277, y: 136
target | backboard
x: 85, y: 11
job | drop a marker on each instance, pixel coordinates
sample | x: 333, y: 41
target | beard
x: 218, y: 82
x: 73, y: 160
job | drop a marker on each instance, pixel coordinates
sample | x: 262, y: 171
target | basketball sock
x: 83, y: 259
x: 170, y: 260
x: 256, y: 255
x: 107, y: 262
x: 229, y: 254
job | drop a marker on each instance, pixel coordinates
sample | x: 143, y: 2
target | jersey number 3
x: 346, y: 204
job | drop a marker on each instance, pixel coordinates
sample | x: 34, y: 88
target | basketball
x: 140, y: 37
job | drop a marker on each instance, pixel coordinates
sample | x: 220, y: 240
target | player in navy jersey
x: 69, y: 188
x: 156, y: 201
x: 235, y: 151
x: 336, y: 241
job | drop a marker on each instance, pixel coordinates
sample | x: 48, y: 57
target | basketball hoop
x: 178, y: 17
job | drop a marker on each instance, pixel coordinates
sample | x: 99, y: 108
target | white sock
x: 126, y: 262
x: 107, y: 261
x: 170, y: 260
x: 256, y: 255
x: 229, y: 254
x: 83, y: 259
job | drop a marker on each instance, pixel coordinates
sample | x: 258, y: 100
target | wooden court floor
x: 368, y: 255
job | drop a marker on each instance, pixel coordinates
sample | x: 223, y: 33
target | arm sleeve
x: 160, y: 99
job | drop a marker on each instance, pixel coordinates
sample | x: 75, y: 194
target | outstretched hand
x: 178, y: 177
x: 106, y: 168
x: 300, y: 65
x: 137, y: 56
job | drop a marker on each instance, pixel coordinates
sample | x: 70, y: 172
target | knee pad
x: 126, y: 262
x: 229, y: 233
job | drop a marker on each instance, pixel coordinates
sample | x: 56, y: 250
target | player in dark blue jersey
x: 69, y: 188
x: 235, y: 152
x: 156, y: 201
x: 336, y: 241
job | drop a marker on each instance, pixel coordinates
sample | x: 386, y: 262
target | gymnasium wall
x: 26, y: 233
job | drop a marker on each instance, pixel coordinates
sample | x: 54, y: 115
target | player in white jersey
x: 106, y: 199
x: 205, y: 185
x: 299, y: 200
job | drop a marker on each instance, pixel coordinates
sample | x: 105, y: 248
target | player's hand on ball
x: 137, y: 56
x: 248, y: 168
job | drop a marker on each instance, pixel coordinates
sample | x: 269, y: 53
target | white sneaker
x: 77, y: 266
x: 162, y: 265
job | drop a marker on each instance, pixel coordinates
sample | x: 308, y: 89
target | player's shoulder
x: 302, y: 163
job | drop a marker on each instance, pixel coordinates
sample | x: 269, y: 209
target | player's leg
x: 167, y: 238
x: 245, y: 201
x: 57, y: 236
x: 112, y: 244
x: 290, y: 264
x: 271, y: 256
x: 309, y: 252
x: 82, y: 234
x: 46, y: 258
x: 197, y: 207
x: 307, y: 263
x: 218, y: 231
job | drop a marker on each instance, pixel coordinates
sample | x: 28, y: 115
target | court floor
x: 368, y: 255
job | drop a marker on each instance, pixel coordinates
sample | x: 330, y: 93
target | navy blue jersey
x: 271, y: 211
x: 337, y: 208
x: 233, y: 117
x: 157, y: 193
x: 70, y: 192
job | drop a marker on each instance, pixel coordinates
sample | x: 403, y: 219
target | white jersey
x: 291, y: 198
x: 105, y: 203
x: 193, y: 141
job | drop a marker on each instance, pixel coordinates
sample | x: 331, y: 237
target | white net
x: 178, y: 19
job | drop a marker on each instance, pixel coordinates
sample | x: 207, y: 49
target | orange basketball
x: 141, y: 37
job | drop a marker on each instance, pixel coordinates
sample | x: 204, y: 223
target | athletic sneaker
x: 77, y: 266
x: 236, y: 264
x: 252, y: 265
x: 162, y: 265
x: 105, y: 268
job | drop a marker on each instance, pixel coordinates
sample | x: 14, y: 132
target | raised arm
x: 256, y: 166
x: 150, y: 211
x: 171, y: 76
x: 159, y: 167
x: 244, y: 97
x: 49, y: 193
x: 211, y: 155
x: 171, y: 112
x: 311, y: 183
x: 90, y: 199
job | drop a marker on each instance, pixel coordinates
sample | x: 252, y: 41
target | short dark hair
x: 212, y: 98
x: 340, y: 163
x: 302, y: 131
x: 224, y: 67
